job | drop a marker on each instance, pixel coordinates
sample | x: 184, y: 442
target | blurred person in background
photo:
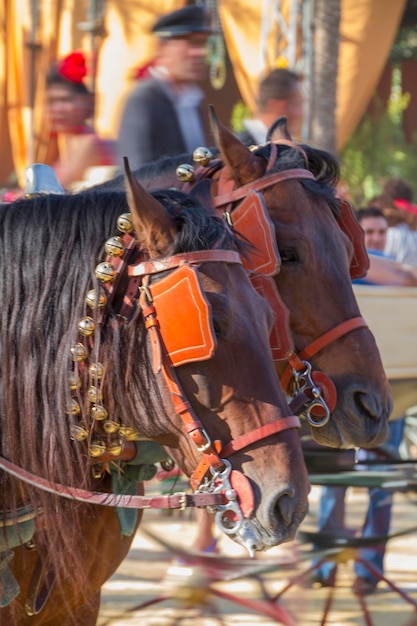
x: 396, y: 202
x: 70, y: 109
x: 382, y: 270
x: 166, y: 114
x: 280, y: 93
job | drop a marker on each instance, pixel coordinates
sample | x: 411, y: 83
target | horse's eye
x: 289, y: 255
x: 218, y: 330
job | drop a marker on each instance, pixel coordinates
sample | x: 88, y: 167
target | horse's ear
x: 244, y: 166
x: 154, y: 227
x: 201, y: 191
x: 279, y: 130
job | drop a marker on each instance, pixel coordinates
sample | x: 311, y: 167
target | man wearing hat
x: 166, y: 114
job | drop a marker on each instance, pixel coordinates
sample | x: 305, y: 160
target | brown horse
x: 318, y: 258
x: 99, y: 365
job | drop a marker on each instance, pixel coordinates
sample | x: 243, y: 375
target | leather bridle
x: 313, y: 394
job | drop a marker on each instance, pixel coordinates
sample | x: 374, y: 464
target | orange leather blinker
x: 187, y: 330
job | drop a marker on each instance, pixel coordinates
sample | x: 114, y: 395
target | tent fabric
x: 368, y: 28
x: 367, y: 32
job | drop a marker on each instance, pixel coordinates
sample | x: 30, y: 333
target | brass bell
x: 185, y: 173
x: 115, y: 448
x: 97, y: 447
x: 105, y: 272
x: 96, y: 299
x: 86, y: 326
x: 202, y: 156
x: 98, y: 412
x: 130, y: 434
x: 96, y: 370
x: 74, y: 381
x: 109, y: 426
x: 97, y: 471
x: 114, y: 246
x: 94, y: 394
x: 125, y: 223
x: 78, y: 433
x: 73, y: 408
x: 79, y: 353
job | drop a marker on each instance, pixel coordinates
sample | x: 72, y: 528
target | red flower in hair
x: 143, y: 72
x: 73, y: 67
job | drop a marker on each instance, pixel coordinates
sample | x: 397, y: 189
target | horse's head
x: 223, y: 391
x: 318, y: 251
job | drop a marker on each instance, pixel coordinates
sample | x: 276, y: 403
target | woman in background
x: 70, y: 107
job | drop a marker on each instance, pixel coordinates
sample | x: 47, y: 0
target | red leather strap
x: 261, y: 183
x: 173, y: 501
x: 200, y: 256
x: 246, y: 440
x: 284, y: 423
x: 295, y: 361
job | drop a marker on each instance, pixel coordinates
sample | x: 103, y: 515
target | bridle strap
x: 168, y: 501
x: 246, y: 440
x: 296, y: 361
x: 261, y: 183
x: 154, y: 266
x: 211, y: 450
x: 258, y: 434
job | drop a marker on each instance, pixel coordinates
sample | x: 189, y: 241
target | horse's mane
x: 49, y: 248
x: 322, y: 164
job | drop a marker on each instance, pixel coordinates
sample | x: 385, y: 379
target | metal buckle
x: 303, y: 381
x: 205, y: 446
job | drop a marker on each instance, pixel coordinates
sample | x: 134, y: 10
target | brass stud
x: 185, y: 173
x: 86, y: 326
x: 96, y: 299
x: 96, y: 370
x: 98, y: 412
x: 97, y: 447
x: 105, y: 272
x: 73, y: 408
x: 110, y: 427
x: 125, y: 223
x: 202, y: 156
x: 79, y: 353
x: 78, y: 433
x: 74, y: 381
x: 115, y: 246
x: 94, y: 394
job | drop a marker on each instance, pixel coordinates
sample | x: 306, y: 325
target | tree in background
x: 325, y: 60
x: 382, y: 146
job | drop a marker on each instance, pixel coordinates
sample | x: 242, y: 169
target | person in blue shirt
x: 383, y: 270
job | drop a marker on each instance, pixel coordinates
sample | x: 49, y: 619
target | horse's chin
x: 255, y: 538
x: 335, y: 435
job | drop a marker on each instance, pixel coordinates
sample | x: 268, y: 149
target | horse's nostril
x: 284, y: 509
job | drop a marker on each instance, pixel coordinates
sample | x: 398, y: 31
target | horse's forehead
x: 290, y: 202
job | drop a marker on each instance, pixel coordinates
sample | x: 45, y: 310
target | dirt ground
x: 143, y: 577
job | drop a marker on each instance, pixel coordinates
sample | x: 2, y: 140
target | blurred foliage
x: 377, y: 150
x: 405, y: 45
x: 240, y: 112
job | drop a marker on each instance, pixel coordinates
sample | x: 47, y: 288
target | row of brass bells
x: 97, y: 299
x: 185, y: 172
